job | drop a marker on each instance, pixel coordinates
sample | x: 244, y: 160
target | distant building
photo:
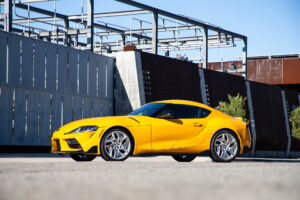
x: 281, y: 70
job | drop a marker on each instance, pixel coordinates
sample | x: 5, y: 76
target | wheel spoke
x: 117, y: 145
x: 226, y: 146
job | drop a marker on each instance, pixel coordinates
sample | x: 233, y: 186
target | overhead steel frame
x: 66, y: 32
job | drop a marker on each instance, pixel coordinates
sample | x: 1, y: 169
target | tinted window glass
x: 204, y: 112
x: 148, y: 109
x: 184, y: 111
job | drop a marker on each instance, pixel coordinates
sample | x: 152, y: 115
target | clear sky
x: 272, y: 26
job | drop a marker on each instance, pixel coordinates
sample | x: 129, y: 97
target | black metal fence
x: 268, y: 107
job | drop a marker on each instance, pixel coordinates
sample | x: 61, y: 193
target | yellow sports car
x: 182, y: 129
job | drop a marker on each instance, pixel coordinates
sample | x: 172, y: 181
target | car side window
x: 184, y: 111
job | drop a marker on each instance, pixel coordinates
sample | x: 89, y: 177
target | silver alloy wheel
x: 226, y: 146
x: 117, y: 145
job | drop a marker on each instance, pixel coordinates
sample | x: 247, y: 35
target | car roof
x: 184, y: 102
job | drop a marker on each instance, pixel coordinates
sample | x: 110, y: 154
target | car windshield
x: 149, y: 109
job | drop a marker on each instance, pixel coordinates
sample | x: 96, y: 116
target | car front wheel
x: 224, y: 146
x: 82, y: 157
x: 184, y: 158
x: 116, y: 145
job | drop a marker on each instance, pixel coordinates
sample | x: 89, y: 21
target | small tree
x: 235, y: 107
x: 295, y: 120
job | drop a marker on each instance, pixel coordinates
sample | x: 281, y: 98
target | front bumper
x: 78, y: 143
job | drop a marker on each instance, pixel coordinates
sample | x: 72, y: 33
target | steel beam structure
x: 244, y: 57
x: 154, y: 31
x: 101, y: 36
x: 90, y: 24
x: 205, y: 48
x: 8, y: 15
x: 181, y: 18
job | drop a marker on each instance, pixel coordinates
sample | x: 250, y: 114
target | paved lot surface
x: 46, y: 177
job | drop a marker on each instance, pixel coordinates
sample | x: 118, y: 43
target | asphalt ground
x: 43, y: 177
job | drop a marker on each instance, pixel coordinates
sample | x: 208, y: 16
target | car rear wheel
x: 184, y: 158
x: 82, y: 157
x: 224, y: 146
x: 116, y: 145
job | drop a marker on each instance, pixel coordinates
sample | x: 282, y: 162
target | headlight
x: 83, y: 129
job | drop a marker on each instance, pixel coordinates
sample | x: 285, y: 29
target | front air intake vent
x: 74, y: 144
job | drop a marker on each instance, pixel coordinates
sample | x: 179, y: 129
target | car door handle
x: 198, y: 124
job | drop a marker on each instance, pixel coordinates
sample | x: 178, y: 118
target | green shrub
x: 235, y: 107
x: 295, y: 120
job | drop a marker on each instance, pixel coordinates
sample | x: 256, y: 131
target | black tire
x: 231, y: 153
x: 82, y: 157
x: 104, y: 150
x: 184, y: 158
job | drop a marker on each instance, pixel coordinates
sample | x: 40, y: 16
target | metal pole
x: 287, y: 124
x: 90, y: 24
x: 154, y: 32
x: 244, y: 57
x: 8, y: 15
x: 67, y: 38
x: 123, y: 40
x: 252, y: 120
x: 205, y: 47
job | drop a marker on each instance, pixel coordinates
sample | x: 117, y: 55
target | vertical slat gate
x: 44, y: 85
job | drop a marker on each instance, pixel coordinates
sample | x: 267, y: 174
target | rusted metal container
x: 291, y: 71
x: 274, y: 71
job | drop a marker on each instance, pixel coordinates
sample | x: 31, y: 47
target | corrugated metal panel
x: 92, y: 75
x: 51, y: 67
x: 3, y: 44
x: 44, y: 121
x: 217, y: 92
x: 87, y: 107
x: 27, y: 64
x: 269, y: 117
x: 6, y: 101
x: 56, y: 112
x: 97, y: 107
x: 83, y: 61
x: 166, y: 78
x: 67, y: 109
x: 20, y: 114
x: 291, y: 71
x: 72, y: 76
x: 33, y: 108
x: 77, y: 108
x: 14, y: 60
x: 101, y: 77
x: 32, y: 122
x: 39, y: 65
x: 62, y: 69
x: 107, y: 109
x: 110, y: 78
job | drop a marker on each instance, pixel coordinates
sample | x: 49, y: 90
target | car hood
x: 125, y: 121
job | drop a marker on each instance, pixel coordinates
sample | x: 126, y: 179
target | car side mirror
x: 167, y: 115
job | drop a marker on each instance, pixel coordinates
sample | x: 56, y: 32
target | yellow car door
x: 176, y: 124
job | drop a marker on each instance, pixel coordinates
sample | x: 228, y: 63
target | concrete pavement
x: 59, y: 177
